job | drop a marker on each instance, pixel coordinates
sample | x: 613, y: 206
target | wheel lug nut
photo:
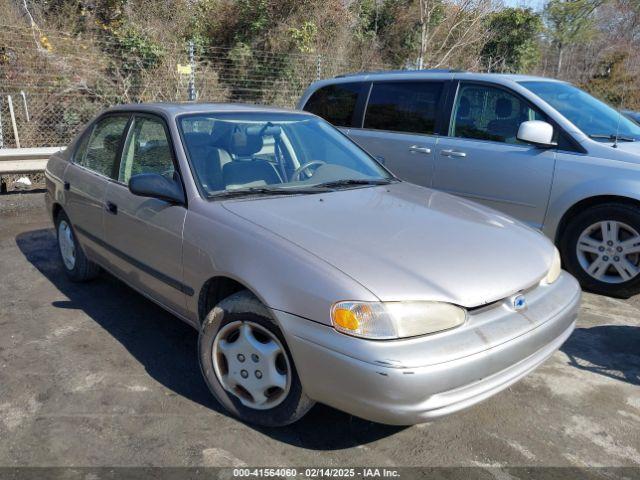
x: 601, y: 249
x: 605, y: 258
x: 610, y: 243
x: 240, y: 357
x: 255, y: 358
x: 244, y: 373
x: 258, y: 374
x: 615, y: 259
x: 619, y: 249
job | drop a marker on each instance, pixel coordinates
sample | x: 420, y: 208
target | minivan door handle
x: 452, y: 153
x: 112, y: 208
x: 416, y: 148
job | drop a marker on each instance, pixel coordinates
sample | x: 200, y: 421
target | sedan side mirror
x: 156, y: 186
x: 537, y: 133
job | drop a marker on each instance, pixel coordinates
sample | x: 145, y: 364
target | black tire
x: 243, y: 306
x: 83, y: 269
x: 626, y: 214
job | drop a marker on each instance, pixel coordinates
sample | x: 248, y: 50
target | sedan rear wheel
x: 601, y: 247
x: 76, y: 264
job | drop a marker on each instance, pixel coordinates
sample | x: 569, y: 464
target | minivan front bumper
x: 414, y: 380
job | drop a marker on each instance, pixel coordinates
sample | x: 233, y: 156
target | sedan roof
x: 174, y: 109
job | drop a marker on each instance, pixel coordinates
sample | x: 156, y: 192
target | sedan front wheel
x: 247, y: 365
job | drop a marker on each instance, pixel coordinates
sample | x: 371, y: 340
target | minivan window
x: 104, y: 143
x: 404, y: 106
x: 335, y: 103
x: 593, y: 117
x: 147, y: 150
x: 483, y: 112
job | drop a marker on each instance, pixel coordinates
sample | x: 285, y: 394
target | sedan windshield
x: 273, y: 153
x: 595, y: 118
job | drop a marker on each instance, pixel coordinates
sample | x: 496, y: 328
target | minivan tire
x: 83, y: 269
x: 246, y: 308
x: 618, y: 212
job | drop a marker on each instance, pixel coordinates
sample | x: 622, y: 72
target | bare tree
x: 448, y: 28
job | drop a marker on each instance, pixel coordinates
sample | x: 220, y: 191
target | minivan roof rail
x: 380, y: 72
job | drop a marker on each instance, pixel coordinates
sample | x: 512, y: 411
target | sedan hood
x: 404, y: 242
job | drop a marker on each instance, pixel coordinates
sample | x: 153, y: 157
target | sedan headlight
x: 387, y: 320
x: 556, y: 268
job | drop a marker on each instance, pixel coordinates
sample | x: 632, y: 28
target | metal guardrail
x: 25, y: 160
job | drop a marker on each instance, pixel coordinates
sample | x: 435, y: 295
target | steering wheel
x: 296, y: 175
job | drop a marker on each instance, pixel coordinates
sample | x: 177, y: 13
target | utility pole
x: 192, y: 74
x: 1, y: 132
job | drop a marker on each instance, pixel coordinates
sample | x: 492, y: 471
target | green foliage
x: 135, y: 50
x: 613, y: 83
x: 513, y: 42
x: 570, y: 21
x: 304, y: 37
x: 253, y: 19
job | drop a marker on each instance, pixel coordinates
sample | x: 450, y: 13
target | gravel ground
x: 96, y: 375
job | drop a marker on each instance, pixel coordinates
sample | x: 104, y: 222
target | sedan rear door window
x: 103, y: 145
x: 404, y: 106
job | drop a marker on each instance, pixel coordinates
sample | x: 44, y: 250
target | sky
x: 535, y: 4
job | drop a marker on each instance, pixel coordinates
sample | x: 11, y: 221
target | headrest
x: 111, y: 142
x: 243, y: 145
x: 464, y: 108
x: 503, y: 108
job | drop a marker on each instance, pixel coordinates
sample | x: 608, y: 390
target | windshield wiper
x: 241, y: 192
x: 352, y: 181
x: 613, y: 137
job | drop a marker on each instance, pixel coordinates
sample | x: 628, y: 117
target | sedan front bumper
x: 414, y: 380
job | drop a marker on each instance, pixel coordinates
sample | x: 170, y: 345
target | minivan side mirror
x: 536, y: 132
x: 156, y: 186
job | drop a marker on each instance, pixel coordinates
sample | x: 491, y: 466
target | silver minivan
x: 541, y: 150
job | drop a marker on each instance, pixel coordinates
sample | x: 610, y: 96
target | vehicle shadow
x: 609, y: 350
x: 167, y: 348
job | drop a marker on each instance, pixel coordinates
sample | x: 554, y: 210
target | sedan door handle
x: 452, y: 153
x: 416, y: 148
x: 67, y: 186
x: 112, y: 208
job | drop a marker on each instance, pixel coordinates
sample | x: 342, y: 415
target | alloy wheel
x: 609, y: 251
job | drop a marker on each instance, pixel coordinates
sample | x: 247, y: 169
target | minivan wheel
x: 601, y: 248
x: 75, y: 263
x: 247, y: 365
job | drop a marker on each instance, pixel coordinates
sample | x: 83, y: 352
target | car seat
x: 244, y: 171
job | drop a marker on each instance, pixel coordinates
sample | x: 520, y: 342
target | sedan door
x: 482, y: 159
x: 87, y: 177
x: 145, y: 234
x: 400, y: 121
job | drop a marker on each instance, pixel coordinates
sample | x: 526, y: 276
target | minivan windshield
x: 282, y: 153
x: 594, y: 117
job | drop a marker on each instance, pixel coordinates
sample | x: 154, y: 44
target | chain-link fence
x: 50, y: 85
